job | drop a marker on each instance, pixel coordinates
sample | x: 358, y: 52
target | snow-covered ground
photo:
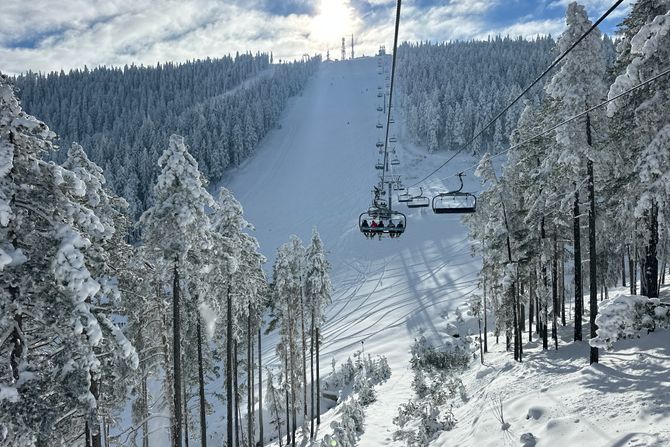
x: 555, y: 395
x: 318, y: 171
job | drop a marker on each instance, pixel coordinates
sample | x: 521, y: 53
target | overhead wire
x: 526, y: 90
x: 390, y: 101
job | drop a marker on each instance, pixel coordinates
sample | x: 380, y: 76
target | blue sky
x: 45, y: 35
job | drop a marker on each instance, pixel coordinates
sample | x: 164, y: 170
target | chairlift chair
x: 395, y: 161
x: 380, y: 144
x: 379, y: 165
x: 393, y: 140
x: 391, y: 120
x: 419, y: 201
x: 380, y: 109
x: 455, y: 202
x: 379, y: 94
x: 404, y: 197
x: 385, y: 215
x: 380, y: 126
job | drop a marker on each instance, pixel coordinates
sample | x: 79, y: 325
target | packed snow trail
x: 317, y: 170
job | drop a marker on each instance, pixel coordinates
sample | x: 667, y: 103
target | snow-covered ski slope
x: 317, y: 170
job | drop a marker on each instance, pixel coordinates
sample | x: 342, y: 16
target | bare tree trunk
x: 578, y: 268
x: 294, y: 415
x: 260, y: 391
x: 304, y: 354
x: 562, y: 283
x: 250, y: 380
x: 238, y: 428
x: 531, y: 302
x: 649, y: 274
x: 201, y: 388
x: 185, y: 413
x: 635, y: 265
x: 288, y: 402
x: 318, y: 379
x: 311, y: 372
x: 554, y: 291
x: 96, y: 435
x: 486, y: 341
x: 592, y: 255
x: 176, y: 356
x: 481, y: 345
x: 230, y: 415
x: 545, y: 305
x: 145, y: 419
x: 169, y: 377
x: 631, y: 269
x: 623, y: 270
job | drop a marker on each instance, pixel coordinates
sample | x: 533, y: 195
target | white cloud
x: 45, y: 35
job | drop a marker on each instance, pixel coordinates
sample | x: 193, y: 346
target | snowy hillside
x: 317, y: 170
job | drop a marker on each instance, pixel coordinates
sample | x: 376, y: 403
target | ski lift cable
x: 388, y: 111
x: 562, y: 123
x: 526, y: 90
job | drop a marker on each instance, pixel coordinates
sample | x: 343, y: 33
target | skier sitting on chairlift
x: 391, y: 228
x: 380, y: 226
x: 366, y: 228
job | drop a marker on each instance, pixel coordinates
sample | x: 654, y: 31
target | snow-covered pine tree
x: 52, y: 329
x: 286, y: 292
x: 641, y: 130
x: 579, y: 84
x: 176, y: 228
x: 237, y: 275
x: 109, y: 256
x: 317, y: 297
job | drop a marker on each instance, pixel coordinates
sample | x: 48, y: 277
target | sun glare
x: 333, y: 21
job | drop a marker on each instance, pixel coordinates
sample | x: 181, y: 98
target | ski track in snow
x: 317, y: 170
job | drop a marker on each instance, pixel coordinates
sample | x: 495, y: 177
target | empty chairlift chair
x: 393, y: 139
x: 404, y: 196
x: 395, y: 161
x: 380, y: 126
x: 455, y: 202
x: 419, y: 201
